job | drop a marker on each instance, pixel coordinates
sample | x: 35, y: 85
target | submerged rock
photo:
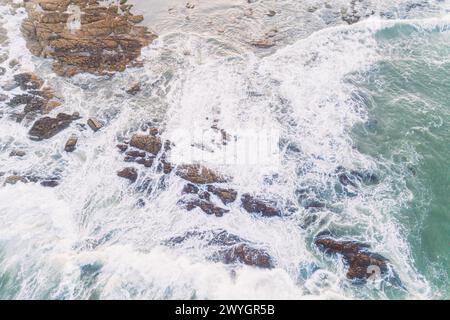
x: 128, y: 173
x: 361, y: 262
x: 206, y: 206
x: 47, y: 127
x: 17, y: 153
x: 266, y: 208
x: 84, y: 35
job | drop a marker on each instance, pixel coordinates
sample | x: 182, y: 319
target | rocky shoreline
x: 86, y: 36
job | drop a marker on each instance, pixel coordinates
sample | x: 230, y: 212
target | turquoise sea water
x: 407, y: 95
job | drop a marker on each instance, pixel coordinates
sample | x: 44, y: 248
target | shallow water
x: 371, y: 97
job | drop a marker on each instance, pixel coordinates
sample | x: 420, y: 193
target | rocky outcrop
x: 128, y: 173
x: 36, y: 98
x: 264, y: 207
x: 248, y: 255
x: 84, y: 35
x: 361, y: 262
x: 146, y: 142
x: 47, y: 127
x: 232, y: 249
x: 199, y: 174
x: 225, y: 195
x: 206, y: 206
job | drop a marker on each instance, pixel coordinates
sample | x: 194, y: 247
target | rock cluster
x: 231, y: 248
x: 84, y: 35
x: 36, y: 97
x: 361, y: 262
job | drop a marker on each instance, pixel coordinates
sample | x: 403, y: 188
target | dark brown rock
x: 28, y: 81
x: 122, y: 147
x: 94, y: 124
x: 199, y: 174
x: 147, y: 143
x: 135, y: 154
x: 226, y: 195
x: 356, y: 255
x: 261, y: 206
x: 248, y: 255
x: 105, y: 40
x: 47, y: 127
x: 206, y: 206
x: 71, y: 144
x: 128, y: 173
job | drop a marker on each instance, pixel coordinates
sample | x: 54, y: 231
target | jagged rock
x: 3, y: 97
x: 94, y: 124
x: 71, y: 144
x: 37, y: 98
x: 165, y: 167
x: 84, y: 35
x: 147, y: 143
x: 128, y: 173
x: 28, y: 81
x: 206, y: 206
x: 47, y: 127
x: 356, y: 255
x: 233, y: 249
x: 226, y: 195
x: 193, y: 189
x: 264, y: 207
x: 199, y: 174
x: 248, y: 255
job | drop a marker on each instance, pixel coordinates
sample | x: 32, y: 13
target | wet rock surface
x: 84, y: 35
x: 205, y: 205
x: 361, y: 262
x: 264, y: 207
x: 129, y: 173
x: 199, y: 174
x: 146, y: 142
x: 35, y: 99
x: 231, y: 249
x: 47, y: 127
x: 71, y: 144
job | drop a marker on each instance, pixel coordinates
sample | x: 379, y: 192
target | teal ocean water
x: 407, y: 95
